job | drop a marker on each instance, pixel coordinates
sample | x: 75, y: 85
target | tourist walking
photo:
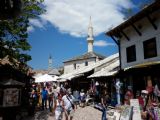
x: 44, y: 98
x: 105, y: 101
x: 58, y: 107
x: 82, y: 98
x: 157, y: 91
x: 50, y: 99
x: 69, y: 107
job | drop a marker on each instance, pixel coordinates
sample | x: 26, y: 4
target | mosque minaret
x: 90, y: 38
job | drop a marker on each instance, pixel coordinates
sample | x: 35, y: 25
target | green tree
x: 13, y: 32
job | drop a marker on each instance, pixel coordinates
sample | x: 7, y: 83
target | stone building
x: 138, y: 39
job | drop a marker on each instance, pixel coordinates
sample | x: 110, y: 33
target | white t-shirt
x: 67, y: 103
x: 82, y: 94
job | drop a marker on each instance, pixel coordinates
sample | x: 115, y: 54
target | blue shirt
x: 44, y: 94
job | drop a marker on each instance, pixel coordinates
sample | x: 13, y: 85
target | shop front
x: 141, y: 77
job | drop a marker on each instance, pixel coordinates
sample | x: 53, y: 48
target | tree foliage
x: 13, y: 32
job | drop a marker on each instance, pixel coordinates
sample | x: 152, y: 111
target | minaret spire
x: 90, y: 38
x: 50, y: 63
x: 90, y: 22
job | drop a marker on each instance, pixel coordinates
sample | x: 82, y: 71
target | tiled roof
x: 85, y: 69
x: 86, y: 56
x: 53, y: 72
x: 40, y: 71
x: 6, y: 60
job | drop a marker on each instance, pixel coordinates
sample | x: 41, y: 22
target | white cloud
x: 102, y: 43
x: 30, y: 29
x: 36, y: 22
x: 72, y: 16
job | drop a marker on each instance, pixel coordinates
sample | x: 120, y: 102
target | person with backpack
x: 69, y: 106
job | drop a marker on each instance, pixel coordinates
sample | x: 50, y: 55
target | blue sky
x: 61, y: 32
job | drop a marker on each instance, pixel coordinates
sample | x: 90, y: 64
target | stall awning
x: 146, y: 64
x: 102, y: 74
x: 81, y: 71
x: 65, y: 77
x: 11, y: 82
x: 46, y: 78
x: 107, y: 71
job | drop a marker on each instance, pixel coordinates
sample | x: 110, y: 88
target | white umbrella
x: 37, y: 75
x: 55, y: 78
x: 45, y: 78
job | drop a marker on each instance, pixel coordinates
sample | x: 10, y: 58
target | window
x: 86, y: 63
x: 131, y: 53
x: 150, y: 49
x: 74, y: 65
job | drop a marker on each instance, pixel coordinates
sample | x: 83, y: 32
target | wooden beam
x: 120, y: 58
x: 119, y: 49
x: 115, y: 40
x: 125, y: 35
x: 136, y: 29
x: 151, y: 21
x: 118, y: 34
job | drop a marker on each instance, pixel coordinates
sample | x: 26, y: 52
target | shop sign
x: 136, y: 109
x: 11, y: 97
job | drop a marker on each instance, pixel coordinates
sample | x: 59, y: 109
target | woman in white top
x: 58, y: 108
x: 157, y: 91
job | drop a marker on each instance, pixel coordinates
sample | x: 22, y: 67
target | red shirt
x: 141, y: 101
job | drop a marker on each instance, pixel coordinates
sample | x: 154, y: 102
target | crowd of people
x: 57, y: 98
x: 61, y: 101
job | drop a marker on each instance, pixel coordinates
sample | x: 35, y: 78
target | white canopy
x: 46, y: 78
x: 107, y: 71
x: 61, y: 80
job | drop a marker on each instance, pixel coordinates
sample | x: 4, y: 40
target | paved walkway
x: 86, y: 113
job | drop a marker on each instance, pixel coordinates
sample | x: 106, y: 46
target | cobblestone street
x: 86, y: 113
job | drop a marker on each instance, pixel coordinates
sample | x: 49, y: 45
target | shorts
x: 70, y: 113
x: 58, y: 115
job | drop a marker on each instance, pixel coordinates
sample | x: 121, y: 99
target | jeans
x: 50, y: 104
x: 104, y: 113
x: 44, y: 103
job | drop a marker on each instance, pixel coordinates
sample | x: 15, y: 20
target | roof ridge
x: 86, y: 56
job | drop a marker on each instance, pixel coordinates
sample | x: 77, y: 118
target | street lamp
x: 10, y: 9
